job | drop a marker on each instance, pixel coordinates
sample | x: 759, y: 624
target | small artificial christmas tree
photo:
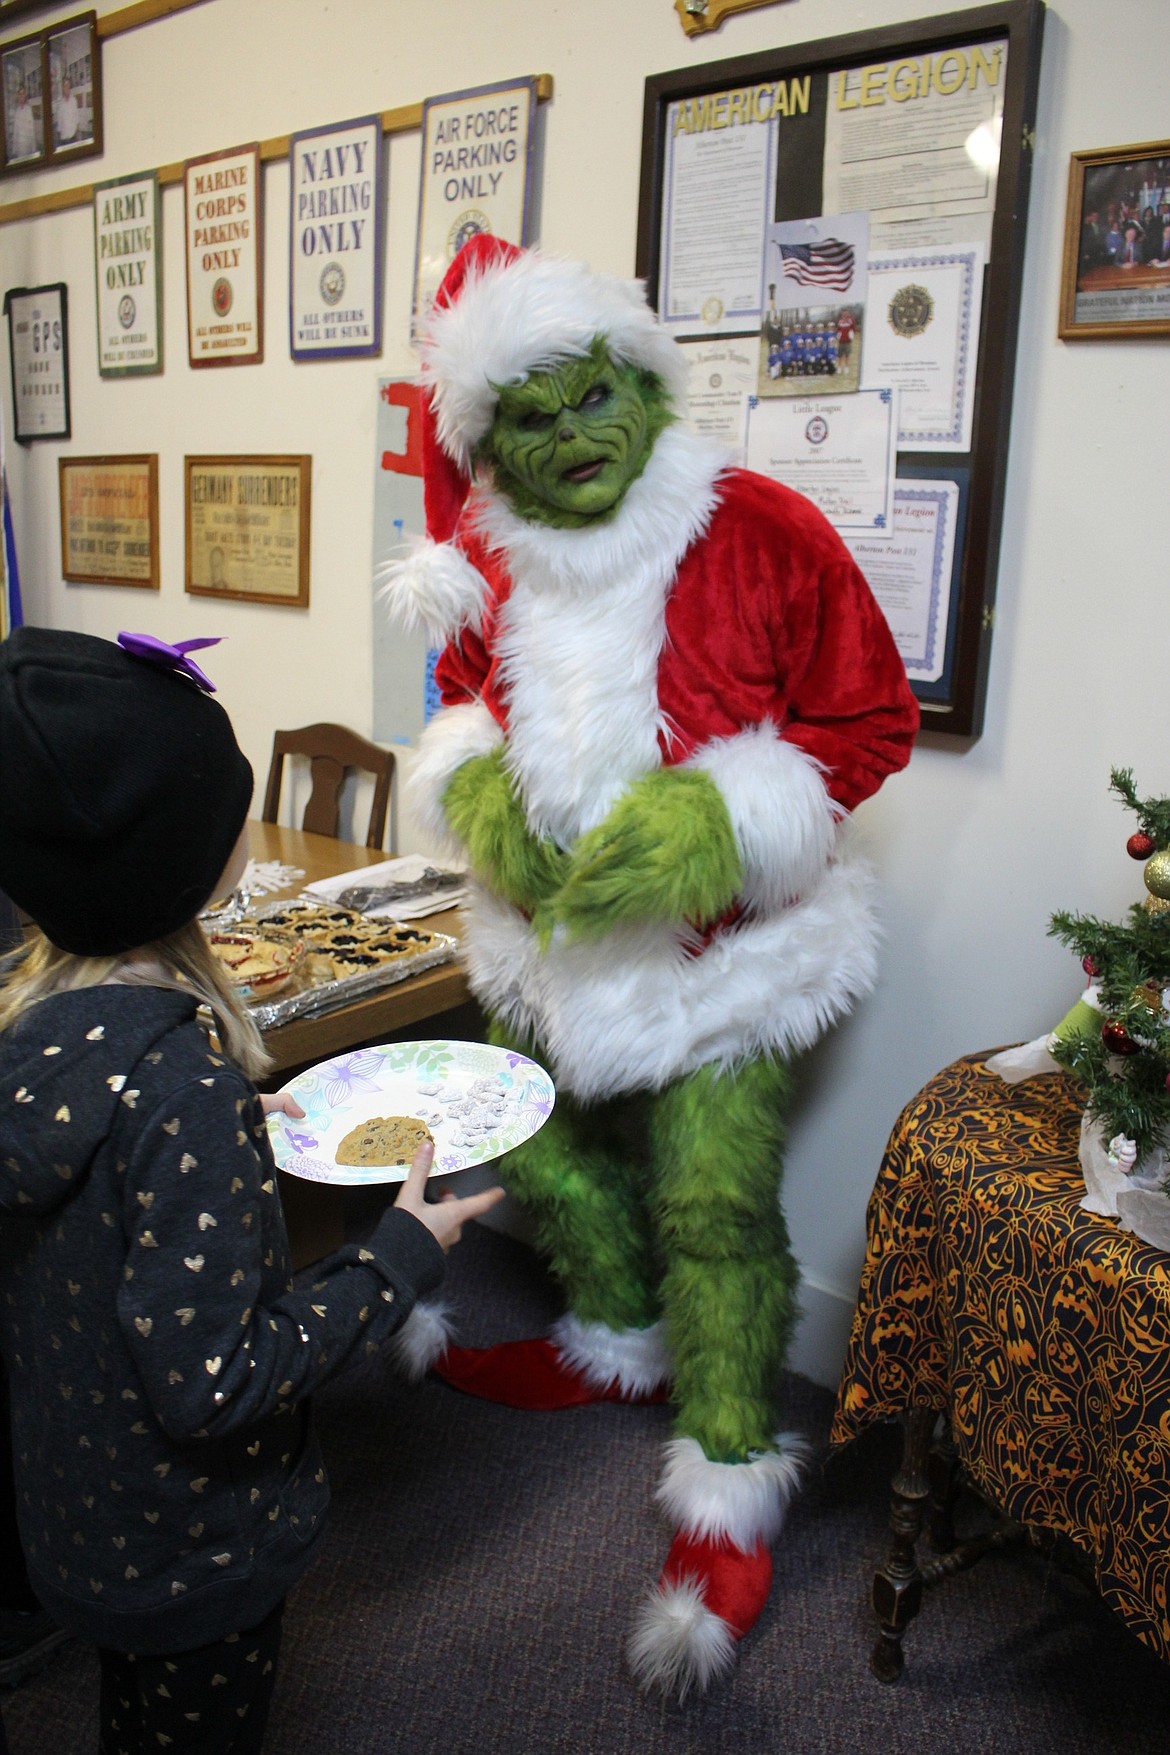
x: 1122, y: 1050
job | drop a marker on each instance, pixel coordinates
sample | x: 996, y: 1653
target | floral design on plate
x: 478, y: 1102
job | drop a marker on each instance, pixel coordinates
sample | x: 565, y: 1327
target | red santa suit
x: 717, y: 622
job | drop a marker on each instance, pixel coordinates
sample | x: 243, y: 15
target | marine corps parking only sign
x: 222, y: 205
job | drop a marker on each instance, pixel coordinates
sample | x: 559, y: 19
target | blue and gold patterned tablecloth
x: 1043, y: 1329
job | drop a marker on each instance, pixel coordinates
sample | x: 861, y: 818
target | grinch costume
x: 665, y: 685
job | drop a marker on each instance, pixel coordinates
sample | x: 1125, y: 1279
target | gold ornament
x: 1157, y: 874
x: 1155, y: 905
x: 1148, y: 994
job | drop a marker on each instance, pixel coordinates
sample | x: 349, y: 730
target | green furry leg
x: 578, y: 1180
x: 729, y: 1290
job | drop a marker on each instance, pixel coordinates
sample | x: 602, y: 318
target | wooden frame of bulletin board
x: 901, y: 157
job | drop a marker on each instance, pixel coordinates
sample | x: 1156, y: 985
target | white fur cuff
x: 453, y: 737
x: 635, y: 1358
x: 434, y: 587
x: 744, y: 1502
x: 784, y: 819
x: 422, y: 1339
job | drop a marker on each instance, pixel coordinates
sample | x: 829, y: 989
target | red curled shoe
x: 578, y: 1364
x: 718, y: 1573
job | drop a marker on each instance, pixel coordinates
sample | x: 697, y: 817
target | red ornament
x: 1091, y: 967
x: 1117, y: 1038
x: 1140, y: 845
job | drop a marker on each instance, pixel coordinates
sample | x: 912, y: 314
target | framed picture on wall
x: 51, y: 94
x: 109, y: 520
x: 247, y: 527
x: 38, y: 353
x: 1116, y: 274
x: 22, y: 96
x: 73, y: 56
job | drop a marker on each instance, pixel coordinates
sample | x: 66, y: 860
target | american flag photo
x: 828, y: 264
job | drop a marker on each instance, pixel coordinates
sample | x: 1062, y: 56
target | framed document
x: 38, y: 352
x: 51, y: 95
x: 477, y: 162
x: 109, y: 520
x: 336, y: 232
x: 855, y: 209
x: 247, y: 528
x: 1116, y: 274
x: 225, y: 311
x: 127, y: 240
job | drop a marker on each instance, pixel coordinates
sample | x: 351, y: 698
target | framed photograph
x: 247, y: 528
x: 109, y: 520
x: 1116, y: 276
x: 225, y: 308
x: 127, y: 239
x: 834, y: 231
x: 23, y: 99
x: 336, y: 215
x: 73, y: 56
x: 38, y: 352
x: 51, y: 95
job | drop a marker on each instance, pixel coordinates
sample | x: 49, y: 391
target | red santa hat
x: 501, y: 313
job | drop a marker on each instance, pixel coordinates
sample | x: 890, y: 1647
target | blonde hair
x: 182, y: 961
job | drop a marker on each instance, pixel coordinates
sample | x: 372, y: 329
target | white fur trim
x: 513, y: 318
x: 434, y: 587
x: 784, y: 820
x: 678, y: 1643
x: 644, y: 1013
x: 581, y: 634
x: 635, y: 1358
x: 452, y: 738
x: 742, y: 1502
x: 423, y: 1338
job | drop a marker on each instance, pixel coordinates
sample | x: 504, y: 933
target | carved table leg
x: 942, y: 1472
x: 897, y: 1586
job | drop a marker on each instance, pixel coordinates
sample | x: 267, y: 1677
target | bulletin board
x: 834, y: 231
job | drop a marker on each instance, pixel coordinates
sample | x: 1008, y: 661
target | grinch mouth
x: 584, y: 471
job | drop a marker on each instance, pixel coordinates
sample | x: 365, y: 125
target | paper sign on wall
x: 335, y: 240
x: 224, y: 308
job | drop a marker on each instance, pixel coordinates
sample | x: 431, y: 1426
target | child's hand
x: 444, y: 1219
x: 280, y: 1103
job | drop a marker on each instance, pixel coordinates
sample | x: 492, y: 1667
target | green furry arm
x: 667, y: 851
x: 483, y: 810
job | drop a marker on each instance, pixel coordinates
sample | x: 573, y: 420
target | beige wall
x: 976, y: 846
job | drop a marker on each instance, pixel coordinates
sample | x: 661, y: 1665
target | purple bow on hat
x: 171, y: 657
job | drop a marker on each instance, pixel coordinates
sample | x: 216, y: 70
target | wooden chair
x: 333, y: 751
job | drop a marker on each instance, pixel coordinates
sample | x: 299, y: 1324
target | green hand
x: 483, y: 810
x: 667, y: 851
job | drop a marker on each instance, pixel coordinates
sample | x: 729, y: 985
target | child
x: 169, y: 1486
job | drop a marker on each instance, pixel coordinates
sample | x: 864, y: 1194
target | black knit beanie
x: 122, y: 791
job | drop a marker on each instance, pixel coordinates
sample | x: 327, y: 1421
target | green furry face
x: 566, y: 444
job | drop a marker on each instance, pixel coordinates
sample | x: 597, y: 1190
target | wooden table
x: 318, y: 1215
x: 377, y: 1016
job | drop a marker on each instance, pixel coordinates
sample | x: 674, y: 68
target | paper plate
x: 478, y: 1102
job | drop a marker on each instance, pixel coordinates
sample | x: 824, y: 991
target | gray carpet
x: 481, y: 1565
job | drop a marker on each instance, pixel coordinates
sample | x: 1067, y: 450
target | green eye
x: 536, y: 422
x: 594, y: 398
